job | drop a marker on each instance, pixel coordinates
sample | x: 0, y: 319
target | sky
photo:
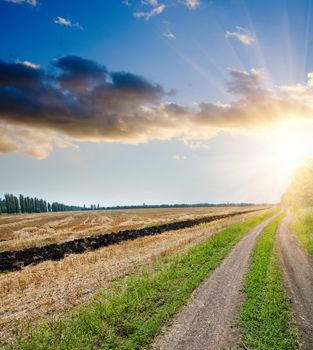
x: 154, y: 101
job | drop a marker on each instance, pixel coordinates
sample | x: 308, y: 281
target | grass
x: 130, y: 317
x: 265, y: 315
x: 302, y: 223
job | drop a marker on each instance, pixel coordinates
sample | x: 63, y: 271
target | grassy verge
x: 265, y: 315
x: 131, y: 317
x: 302, y: 223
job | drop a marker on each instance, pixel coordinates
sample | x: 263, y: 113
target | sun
x: 292, y: 146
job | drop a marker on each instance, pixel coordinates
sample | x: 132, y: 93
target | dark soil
x: 15, y: 260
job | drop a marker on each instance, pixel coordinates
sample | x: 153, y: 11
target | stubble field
x: 51, y: 288
x: 33, y: 230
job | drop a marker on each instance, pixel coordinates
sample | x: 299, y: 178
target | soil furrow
x: 206, y: 322
x: 14, y: 260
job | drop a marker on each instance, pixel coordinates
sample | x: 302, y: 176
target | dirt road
x: 298, y: 272
x: 205, y: 322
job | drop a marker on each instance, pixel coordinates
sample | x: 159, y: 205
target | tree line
x: 12, y: 204
x: 299, y: 192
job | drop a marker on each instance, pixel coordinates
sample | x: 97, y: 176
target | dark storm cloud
x: 81, y: 99
x: 79, y: 72
x: 19, y: 75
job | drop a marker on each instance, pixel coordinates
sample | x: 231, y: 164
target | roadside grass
x: 130, y: 316
x: 265, y: 315
x: 302, y: 224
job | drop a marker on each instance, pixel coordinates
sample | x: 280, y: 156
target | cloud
x: 242, y: 34
x: 28, y: 64
x: 194, y: 144
x: 169, y: 35
x: 36, y: 143
x: 66, y: 22
x: 81, y: 100
x: 148, y: 14
x: 179, y: 157
x: 7, y: 144
x: 30, y: 2
x: 153, y: 3
x: 192, y: 4
x: 310, y: 79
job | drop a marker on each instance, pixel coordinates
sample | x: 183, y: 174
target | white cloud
x: 28, y: 64
x: 30, y: 2
x: 310, y: 79
x: 169, y: 35
x: 193, y: 144
x: 7, y: 144
x: 192, y: 4
x: 179, y: 157
x: 153, y: 3
x: 147, y: 15
x: 242, y: 34
x: 36, y: 143
x: 66, y: 22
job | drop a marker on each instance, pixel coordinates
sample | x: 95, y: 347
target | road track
x: 206, y: 321
x: 298, y: 272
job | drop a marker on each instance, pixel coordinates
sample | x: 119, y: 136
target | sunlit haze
x: 176, y: 101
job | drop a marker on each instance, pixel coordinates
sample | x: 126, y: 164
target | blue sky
x: 227, y: 65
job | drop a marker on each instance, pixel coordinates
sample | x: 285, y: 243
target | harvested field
x: 12, y: 260
x: 33, y: 230
x: 52, y: 287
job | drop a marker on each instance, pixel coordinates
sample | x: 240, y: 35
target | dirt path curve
x: 298, y: 271
x: 205, y: 322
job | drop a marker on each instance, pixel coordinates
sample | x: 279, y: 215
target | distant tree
x: 3, y: 206
x: 16, y: 205
x: 28, y: 205
x: 11, y: 203
x: 32, y: 205
x: 22, y: 203
x: 300, y: 190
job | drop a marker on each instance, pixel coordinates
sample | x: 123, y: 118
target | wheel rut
x: 298, y: 272
x: 206, y: 321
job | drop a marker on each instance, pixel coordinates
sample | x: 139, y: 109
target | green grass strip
x: 131, y: 317
x: 302, y: 223
x: 265, y: 315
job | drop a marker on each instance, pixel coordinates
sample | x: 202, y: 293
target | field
x: 39, y: 291
x: 161, y: 289
x: 32, y: 230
